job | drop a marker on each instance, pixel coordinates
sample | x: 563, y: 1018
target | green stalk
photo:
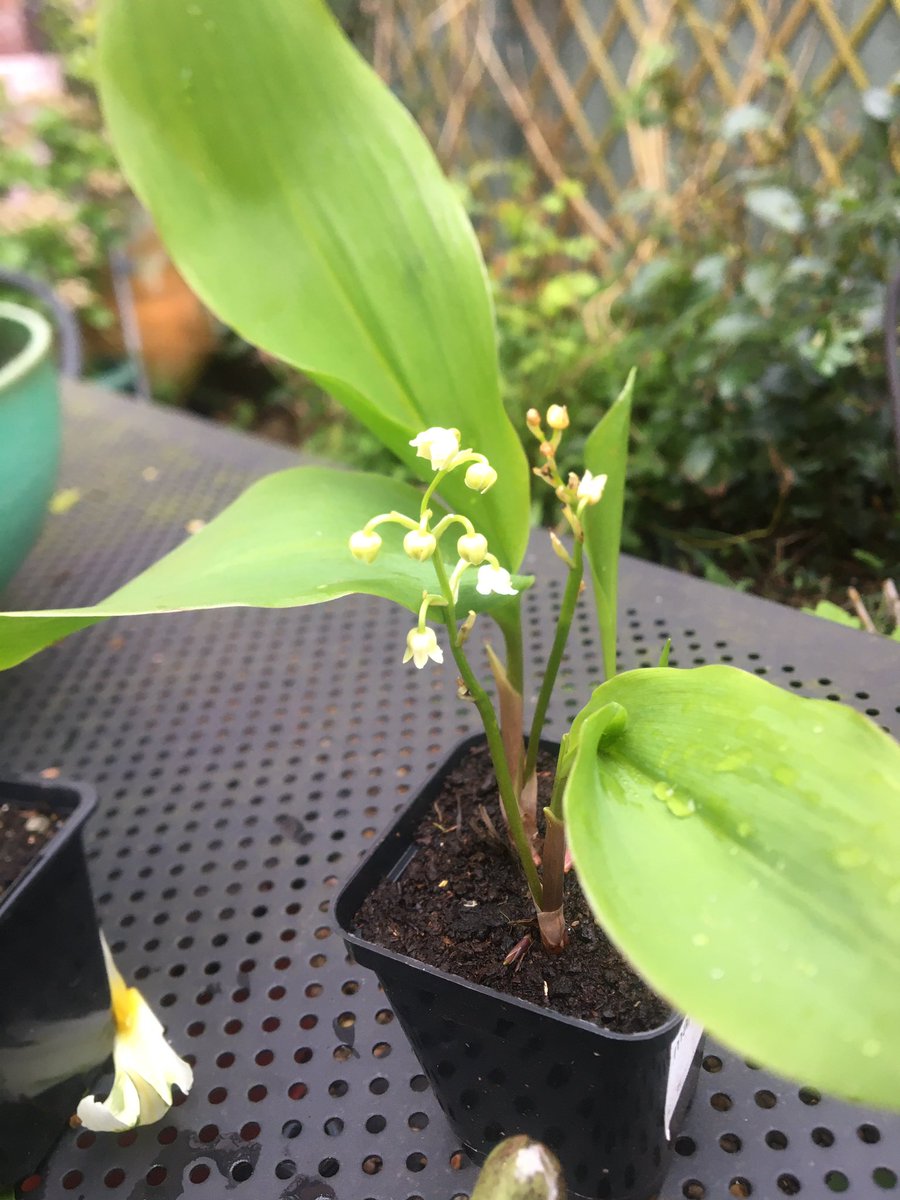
x: 511, y: 627
x: 563, y: 625
x: 494, y: 739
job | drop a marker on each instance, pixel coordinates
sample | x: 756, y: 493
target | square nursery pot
x: 56, y: 1028
x: 608, y: 1104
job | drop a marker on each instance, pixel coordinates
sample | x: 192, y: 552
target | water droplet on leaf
x: 678, y: 806
x: 733, y: 762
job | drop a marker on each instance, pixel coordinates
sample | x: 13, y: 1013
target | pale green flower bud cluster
x: 441, y: 447
x: 575, y: 494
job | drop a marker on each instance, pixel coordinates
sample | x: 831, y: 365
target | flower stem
x: 494, y: 739
x: 563, y: 625
x: 511, y: 627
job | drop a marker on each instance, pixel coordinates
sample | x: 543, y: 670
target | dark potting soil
x: 462, y: 905
x: 23, y: 832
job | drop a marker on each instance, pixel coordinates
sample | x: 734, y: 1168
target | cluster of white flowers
x: 441, y: 447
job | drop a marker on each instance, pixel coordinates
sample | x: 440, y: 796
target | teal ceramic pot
x: 29, y: 431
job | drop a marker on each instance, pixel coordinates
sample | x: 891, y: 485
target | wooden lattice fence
x: 559, y: 80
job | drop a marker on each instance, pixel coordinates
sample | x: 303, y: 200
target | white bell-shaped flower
x: 438, y: 445
x: 146, y: 1066
x: 422, y: 645
x: 590, y: 489
x: 493, y: 580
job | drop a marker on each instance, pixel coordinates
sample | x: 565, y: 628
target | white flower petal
x: 146, y: 1066
x: 437, y: 444
x: 120, y: 1110
x: 494, y: 581
x: 421, y: 645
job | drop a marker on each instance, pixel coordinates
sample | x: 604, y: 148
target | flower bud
x: 480, y: 476
x: 365, y: 544
x: 558, y: 416
x: 533, y: 419
x: 590, y: 489
x: 420, y: 544
x: 472, y: 547
x: 559, y: 550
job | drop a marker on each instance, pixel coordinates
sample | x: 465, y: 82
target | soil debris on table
x: 24, y: 831
x: 462, y: 905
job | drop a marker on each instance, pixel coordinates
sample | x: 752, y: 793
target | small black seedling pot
x: 56, y: 1029
x: 608, y: 1104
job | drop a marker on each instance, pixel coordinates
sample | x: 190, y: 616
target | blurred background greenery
x: 714, y: 202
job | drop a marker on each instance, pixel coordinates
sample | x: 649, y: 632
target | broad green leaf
x: 302, y: 203
x: 307, y: 514
x: 741, y: 845
x: 606, y: 453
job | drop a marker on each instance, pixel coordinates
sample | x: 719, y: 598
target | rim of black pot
x: 344, y: 921
x: 75, y: 801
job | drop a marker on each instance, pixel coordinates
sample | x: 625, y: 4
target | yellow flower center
x: 125, y: 1001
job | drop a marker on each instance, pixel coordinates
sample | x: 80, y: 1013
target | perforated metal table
x: 245, y: 760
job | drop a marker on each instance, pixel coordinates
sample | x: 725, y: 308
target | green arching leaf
x: 282, y: 544
x: 606, y: 453
x: 301, y: 202
x: 741, y: 845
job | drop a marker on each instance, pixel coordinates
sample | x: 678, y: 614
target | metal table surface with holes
x: 244, y: 760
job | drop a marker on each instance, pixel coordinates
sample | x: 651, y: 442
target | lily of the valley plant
x: 740, y: 844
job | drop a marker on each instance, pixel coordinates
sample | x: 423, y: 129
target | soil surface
x: 23, y: 831
x: 462, y: 905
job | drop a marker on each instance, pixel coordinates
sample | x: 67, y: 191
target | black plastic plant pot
x: 608, y: 1104
x: 56, y: 1029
